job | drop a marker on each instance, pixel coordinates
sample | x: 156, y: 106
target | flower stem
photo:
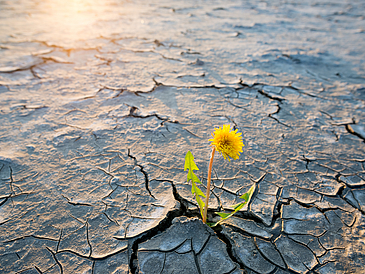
x: 208, y: 186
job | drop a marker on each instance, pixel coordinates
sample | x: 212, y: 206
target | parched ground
x: 101, y: 99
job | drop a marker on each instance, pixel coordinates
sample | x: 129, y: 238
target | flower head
x: 228, y: 142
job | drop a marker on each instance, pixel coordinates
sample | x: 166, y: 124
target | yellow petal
x: 227, y: 142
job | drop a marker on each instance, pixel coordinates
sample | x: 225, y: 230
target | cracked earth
x: 100, y: 101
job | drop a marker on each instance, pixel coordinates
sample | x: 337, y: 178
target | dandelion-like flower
x: 228, y: 142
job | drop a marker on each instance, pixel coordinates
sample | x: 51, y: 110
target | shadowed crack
x: 87, y: 239
x: 43, y: 60
x: 277, y: 120
x: 278, y: 252
x: 22, y: 107
x: 145, y: 174
x: 230, y: 251
x: 59, y: 240
x: 5, y: 199
x: 29, y: 269
x: 346, y: 185
x: 75, y: 203
x: 65, y: 49
x: 133, y: 113
x: 352, y: 131
x: 162, y: 226
x: 271, y: 96
x: 196, y: 255
x: 36, y: 268
x: 55, y: 258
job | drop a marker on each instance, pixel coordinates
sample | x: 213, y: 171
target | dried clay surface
x: 101, y: 99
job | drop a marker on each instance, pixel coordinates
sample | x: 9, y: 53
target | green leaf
x: 196, y: 190
x: 238, y: 207
x: 224, y: 215
x: 190, y: 164
x: 235, y: 206
x: 194, y: 178
x: 247, y: 196
x: 201, y: 204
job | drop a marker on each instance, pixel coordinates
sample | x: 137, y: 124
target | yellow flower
x: 228, y: 142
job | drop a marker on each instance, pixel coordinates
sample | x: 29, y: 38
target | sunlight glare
x: 72, y: 20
